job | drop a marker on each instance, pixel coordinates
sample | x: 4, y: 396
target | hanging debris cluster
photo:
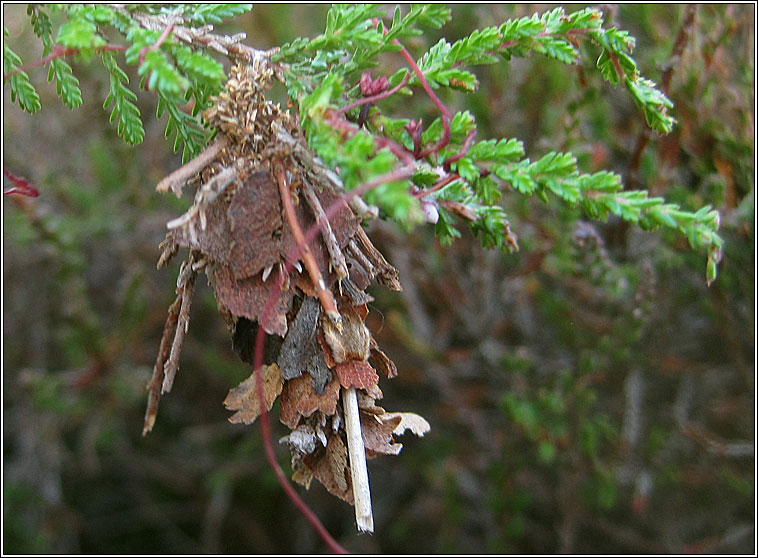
x: 259, y: 188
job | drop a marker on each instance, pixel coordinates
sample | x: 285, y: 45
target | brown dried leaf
x: 331, y: 468
x: 382, y: 362
x: 245, y: 399
x: 367, y: 400
x: 299, y: 399
x: 377, y: 435
x: 248, y: 298
x: 255, y: 215
x: 356, y: 373
x: 303, y: 476
x: 214, y: 240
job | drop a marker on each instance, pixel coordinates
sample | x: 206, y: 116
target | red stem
x: 58, y: 52
x: 438, y: 186
x: 157, y: 44
x: 268, y: 446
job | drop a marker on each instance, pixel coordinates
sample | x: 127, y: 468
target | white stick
x: 364, y: 515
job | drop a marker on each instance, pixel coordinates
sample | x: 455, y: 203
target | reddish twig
x: 324, y: 295
x: 274, y: 291
x: 20, y: 185
x: 57, y: 52
x: 438, y: 186
x: 461, y: 152
x: 446, y: 117
x: 157, y: 44
x: 268, y: 446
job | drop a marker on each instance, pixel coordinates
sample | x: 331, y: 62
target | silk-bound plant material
x: 245, y: 398
x: 352, y: 343
x: 356, y: 373
x: 260, y: 193
x: 299, y: 399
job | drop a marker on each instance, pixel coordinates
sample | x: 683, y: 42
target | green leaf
x: 202, y: 14
x: 66, y: 85
x: 21, y: 89
x: 80, y: 34
x: 130, y: 127
x: 183, y: 126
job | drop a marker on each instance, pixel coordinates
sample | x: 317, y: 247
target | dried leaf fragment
x: 356, y: 373
x: 330, y: 468
x: 299, y: 399
x: 248, y: 298
x: 377, y: 435
x: 245, y: 399
x: 255, y: 216
x: 409, y: 421
x: 299, y: 344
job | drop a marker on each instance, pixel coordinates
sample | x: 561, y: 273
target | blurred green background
x: 587, y: 395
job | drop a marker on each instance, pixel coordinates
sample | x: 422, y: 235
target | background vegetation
x: 588, y: 394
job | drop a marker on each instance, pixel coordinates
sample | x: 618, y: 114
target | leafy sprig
x: 175, y: 71
x: 21, y: 88
x: 130, y: 127
x: 444, y: 165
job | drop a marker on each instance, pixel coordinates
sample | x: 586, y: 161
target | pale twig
x: 177, y: 179
x: 364, y: 515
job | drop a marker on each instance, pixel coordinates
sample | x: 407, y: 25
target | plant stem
x: 364, y: 515
x: 177, y: 179
x: 326, y: 298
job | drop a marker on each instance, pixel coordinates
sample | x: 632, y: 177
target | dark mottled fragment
x: 299, y: 344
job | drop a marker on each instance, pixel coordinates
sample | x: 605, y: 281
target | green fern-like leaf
x: 21, y: 88
x: 200, y: 68
x: 130, y: 127
x: 186, y: 128
x: 66, y: 85
x: 202, y: 14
